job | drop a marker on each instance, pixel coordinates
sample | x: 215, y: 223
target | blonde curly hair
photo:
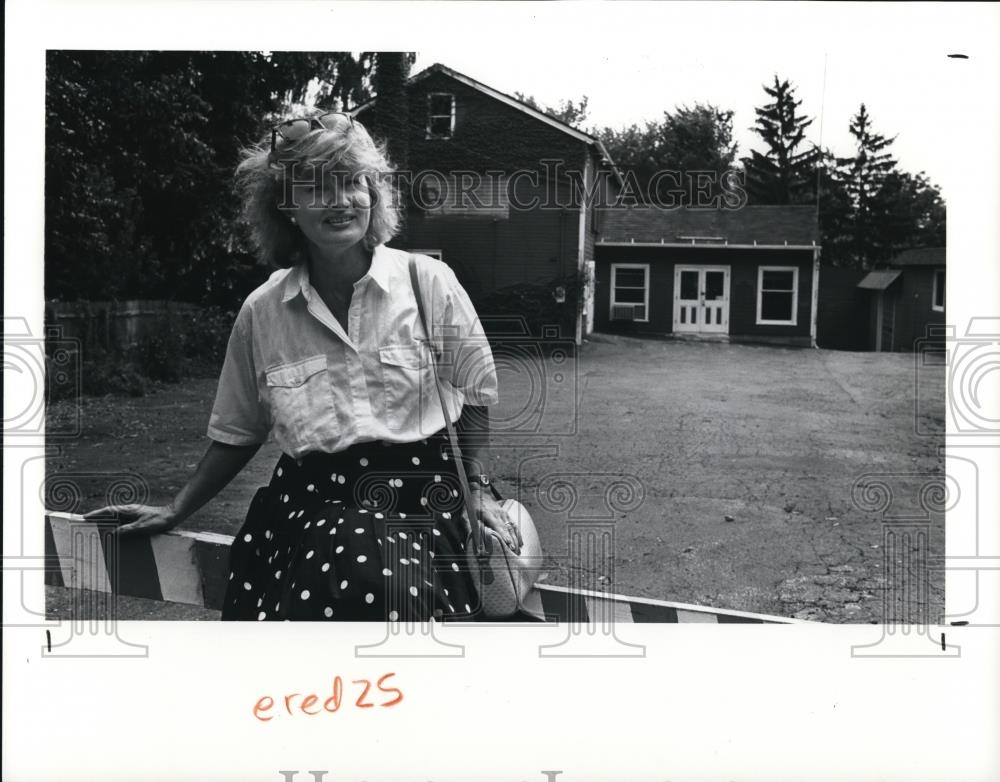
x: 262, y: 178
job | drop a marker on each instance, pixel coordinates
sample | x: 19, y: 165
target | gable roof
x: 513, y: 102
x: 920, y: 256
x: 765, y: 225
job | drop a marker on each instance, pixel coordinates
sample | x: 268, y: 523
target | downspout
x: 815, y: 298
x: 581, y: 245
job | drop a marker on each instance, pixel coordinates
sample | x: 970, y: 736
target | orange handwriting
x: 298, y: 703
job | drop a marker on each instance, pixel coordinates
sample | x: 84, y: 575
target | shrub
x: 159, y: 354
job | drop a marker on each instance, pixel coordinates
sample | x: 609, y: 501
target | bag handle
x: 478, y: 535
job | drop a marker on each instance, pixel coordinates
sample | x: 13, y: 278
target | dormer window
x: 440, y: 115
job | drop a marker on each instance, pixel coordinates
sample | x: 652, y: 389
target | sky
x: 892, y: 59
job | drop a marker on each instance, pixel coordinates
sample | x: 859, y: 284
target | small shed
x: 747, y: 274
x: 905, y: 299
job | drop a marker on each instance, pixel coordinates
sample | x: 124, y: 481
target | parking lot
x: 725, y: 471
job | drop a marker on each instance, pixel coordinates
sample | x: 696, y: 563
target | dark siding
x: 843, y: 317
x: 743, y: 265
x: 915, y: 311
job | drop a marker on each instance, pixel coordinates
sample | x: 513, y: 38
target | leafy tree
x: 695, y: 142
x: 140, y: 150
x: 785, y: 173
x: 572, y: 113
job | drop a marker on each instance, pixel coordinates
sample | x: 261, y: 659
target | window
x: 937, y: 301
x: 432, y: 253
x: 630, y: 291
x: 777, y: 295
x: 465, y: 193
x: 440, y: 115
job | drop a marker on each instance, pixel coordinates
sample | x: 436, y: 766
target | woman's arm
x: 220, y: 464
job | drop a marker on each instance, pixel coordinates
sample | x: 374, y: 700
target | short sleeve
x: 238, y: 417
x: 466, y: 357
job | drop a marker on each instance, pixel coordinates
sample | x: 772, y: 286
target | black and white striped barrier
x: 190, y: 568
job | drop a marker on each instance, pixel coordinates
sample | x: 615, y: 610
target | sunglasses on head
x: 293, y: 130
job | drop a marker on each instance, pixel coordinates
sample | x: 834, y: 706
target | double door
x: 701, y: 299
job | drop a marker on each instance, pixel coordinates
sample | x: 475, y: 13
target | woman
x: 362, y: 519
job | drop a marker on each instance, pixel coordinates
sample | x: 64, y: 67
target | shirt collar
x: 297, y: 278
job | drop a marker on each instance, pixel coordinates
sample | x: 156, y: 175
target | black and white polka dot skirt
x: 372, y: 533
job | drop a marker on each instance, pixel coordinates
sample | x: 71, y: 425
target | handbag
x: 503, y: 577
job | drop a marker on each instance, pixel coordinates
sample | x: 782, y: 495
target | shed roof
x: 920, y: 256
x: 880, y: 280
x: 770, y: 225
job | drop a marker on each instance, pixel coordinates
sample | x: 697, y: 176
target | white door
x: 701, y: 299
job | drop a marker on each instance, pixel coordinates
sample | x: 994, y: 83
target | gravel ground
x: 725, y: 471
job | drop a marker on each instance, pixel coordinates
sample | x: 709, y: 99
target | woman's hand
x: 496, y: 519
x: 137, y: 519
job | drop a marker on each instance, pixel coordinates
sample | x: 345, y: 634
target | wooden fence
x: 114, y: 326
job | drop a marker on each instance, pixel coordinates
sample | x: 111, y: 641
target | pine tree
x: 784, y: 174
x: 864, y: 177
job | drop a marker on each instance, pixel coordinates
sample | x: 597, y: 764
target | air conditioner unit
x: 623, y: 312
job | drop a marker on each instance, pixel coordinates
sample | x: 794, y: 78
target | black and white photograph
x: 521, y: 356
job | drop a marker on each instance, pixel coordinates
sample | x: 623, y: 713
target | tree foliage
x: 785, y: 173
x: 570, y: 112
x: 696, y: 142
x: 140, y: 152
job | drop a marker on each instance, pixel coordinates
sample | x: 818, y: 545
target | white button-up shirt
x: 293, y: 373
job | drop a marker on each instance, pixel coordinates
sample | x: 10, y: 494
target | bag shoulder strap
x: 476, y: 524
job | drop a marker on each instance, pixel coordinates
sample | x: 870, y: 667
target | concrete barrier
x: 191, y: 568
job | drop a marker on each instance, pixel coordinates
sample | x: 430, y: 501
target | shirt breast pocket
x: 302, y: 403
x: 409, y: 385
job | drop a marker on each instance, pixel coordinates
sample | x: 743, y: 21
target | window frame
x: 613, y: 303
x: 431, y: 117
x: 936, y: 289
x: 438, y: 254
x: 795, y: 295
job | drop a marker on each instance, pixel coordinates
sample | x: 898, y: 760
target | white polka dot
x: 343, y: 584
x: 399, y: 483
x: 309, y: 554
x: 284, y: 498
x: 379, y: 516
x: 339, y: 549
x: 277, y: 606
x: 362, y: 558
x: 231, y: 574
x: 451, y: 607
x: 362, y: 510
x: 328, y: 612
x: 404, y: 560
x: 311, y: 487
x: 321, y: 522
x: 437, y: 479
x: 333, y: 477
x: 302, y: 511
x: 260, y: 600
x: 305, y: 594
x: 454, y: 492
x: 246, y: 586
x: 277, y: 574
x: 340, y: 521
x: 307, y: 525
x: 390, y: 538
x: 444, y: 455
x: 326, y: 567
x: 369, y: 598
x: 248, y: 537
x: 359, y: 530
x: 280, y: 472
x: 467, y: 609
x: 402, y: 535
x: 415, y: 460
x: 393, y: 616
x: 437, y: 532
x: 363, y: 462
x: 267, y: 534
x: 446, y: 593
x: 444, y: 515
x: 413, y: 591
x: 423, y: 500
x: 428, y: 583
x: 261, y: 616
x: 340, y: 479
x: 333, y: 530
x: 402, y: 515
x: 416, y: 545
x: 291, y: 514
x: 454, y: 566
x: 386, y: 571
